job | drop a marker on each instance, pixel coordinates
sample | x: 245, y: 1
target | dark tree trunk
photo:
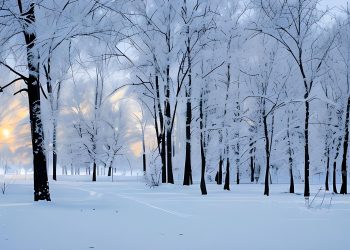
x: 306, y: 149
x: 290, y: 159
x: 267, y: 152
x: 227, y: 175
x: 41, y: 184
x: 237, y: 135
x: 188, y: 171
x: 251, y: 164
x: 344, y: 172
x: 54, y: 145
x: 160, y: 134
x: 237, y: 163
x: 335, y: 177
x: 337, y: 151
x: 144, y: 163
x: 94, y: 169
x: 202, y: 184
x: 327, y: 171
x: 54, y: 157
x: 169, y: 154
x: 109, y: 171
x: 218, y: 177
x: 169, y: 158
x: 252, y: 169
x: 291, y: 185
x: 327, y: 143
x: 162, y: 154
x: 188, y: 167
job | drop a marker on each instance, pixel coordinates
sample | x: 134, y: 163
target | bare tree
x: 25, y: 16
x: 294, y: 24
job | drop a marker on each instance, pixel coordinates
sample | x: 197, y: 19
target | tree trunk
x: 291, y: 185
x: 144, y: 163
x: 169, y: 158
x: 41, y: 184
x: 327, y: 171
x: 94, y: 169
x: 252, y: 169
x: 327, y: 143
x: 237, y: 136
x: 160, y: 134
x: 267, y: 152
x: 290, y: 159
x: 169, y: 154
x: 335, y: 177
x: 163, y: 157
x: 54, y: 110
x: 188, y: 171
x: 337, y: 151
x: 237, y: 174
x: 227, y: 175
x: 306, y: 148
x: 188, y: 167
x: 251, y: 165
x: 343, y: 189
x: 202, y: 184
x: 237, y: 162
x: 218, y: 177
x: 54, y: 147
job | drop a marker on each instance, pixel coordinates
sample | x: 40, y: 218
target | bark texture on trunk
x: 94, y: 170
x: 202, y: 184
x: 337, y: 151
x: 218, y: 177
x: 327, y: 171
x: 227, y: 175
x: 188, y: 165
x: 169, y: 155
x: 203, y: 157
x: 290, y: 159
x: 267, y: 152
x: 344, y: 172
x: 252, y: 164
x: 41, y: 184
x: 188, y: 171
x: 335, y: 177
x: 306, y: 149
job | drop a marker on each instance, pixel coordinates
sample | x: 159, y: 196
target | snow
x: 127, y: 214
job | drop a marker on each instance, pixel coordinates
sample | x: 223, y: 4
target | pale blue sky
x: 332, y: 3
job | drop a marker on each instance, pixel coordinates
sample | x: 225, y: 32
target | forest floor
x: 127, y: 214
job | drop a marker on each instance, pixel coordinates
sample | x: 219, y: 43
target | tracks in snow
x: 97, y: 194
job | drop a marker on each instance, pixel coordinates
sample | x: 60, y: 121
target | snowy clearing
x: 127, y: 214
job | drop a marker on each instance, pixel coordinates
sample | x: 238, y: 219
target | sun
x: 6, y: 133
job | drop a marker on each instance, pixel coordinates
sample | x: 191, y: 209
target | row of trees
x: 239, y: 86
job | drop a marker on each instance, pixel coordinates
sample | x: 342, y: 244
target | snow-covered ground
x: 127, y: 214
